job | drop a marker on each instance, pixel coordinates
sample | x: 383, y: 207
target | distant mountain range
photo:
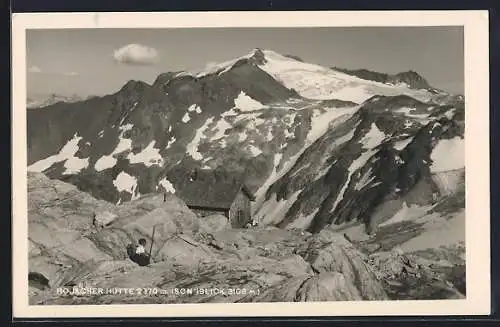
x: 41, y: 101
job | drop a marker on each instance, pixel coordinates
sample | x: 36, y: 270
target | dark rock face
x: 294, y: 57
x: 411, y: 78
x: 365, y: 74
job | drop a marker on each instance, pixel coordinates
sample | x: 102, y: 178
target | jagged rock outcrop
x: 184, y: 255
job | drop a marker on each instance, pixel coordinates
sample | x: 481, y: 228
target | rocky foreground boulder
x: 193, y: 259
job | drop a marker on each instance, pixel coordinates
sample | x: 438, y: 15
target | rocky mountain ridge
x: 410, y: 78
x: 42, y: 101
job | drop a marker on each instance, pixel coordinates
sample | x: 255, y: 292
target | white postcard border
x: 476, y: 70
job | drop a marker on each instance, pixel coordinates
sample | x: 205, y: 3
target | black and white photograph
x: 246, y: 165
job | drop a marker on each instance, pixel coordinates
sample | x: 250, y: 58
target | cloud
x: 34, y: 69
x: 136, y: 54
x: 209, y: 65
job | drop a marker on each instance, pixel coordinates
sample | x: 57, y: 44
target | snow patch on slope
x: 124, y: 144
x: 366, y: 179
x: 148, y: 156
x: 221, y: 128
x: 105, y: 162
x: 170, y: 142
x: 270, y: 136
x: 321, y: 119
x: 438, y: 232
x: 373, y: 138
x: 73, y: 164
x: 186, y: 118
x: 194, y: 107
x: 167, y: 185
x: 242, y: 137
x: 246, y: 103
x: 406, y: 212
x: 274, y: 211
x: 192, y: 147
x: 448, y: 182
x: 255, y: 151
x: 303, y: 221
x: 125, y: 182
x: 407, y: 112
x: 400, y: 145
x: 448, y: 154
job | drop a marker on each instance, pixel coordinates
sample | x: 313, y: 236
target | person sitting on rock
x: 140, y: 249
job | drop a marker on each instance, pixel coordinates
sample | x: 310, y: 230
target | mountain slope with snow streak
x: 240, y: 120
x: 364, y: 168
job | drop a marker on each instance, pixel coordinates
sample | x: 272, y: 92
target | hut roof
x: 212, y: 194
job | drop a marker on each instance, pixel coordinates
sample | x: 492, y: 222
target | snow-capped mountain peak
x: 313, y: 81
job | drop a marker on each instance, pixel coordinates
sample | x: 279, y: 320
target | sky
x: 100, y: 61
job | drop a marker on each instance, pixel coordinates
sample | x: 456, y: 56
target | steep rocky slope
x: 393, y: 153
x: 270, y: 264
